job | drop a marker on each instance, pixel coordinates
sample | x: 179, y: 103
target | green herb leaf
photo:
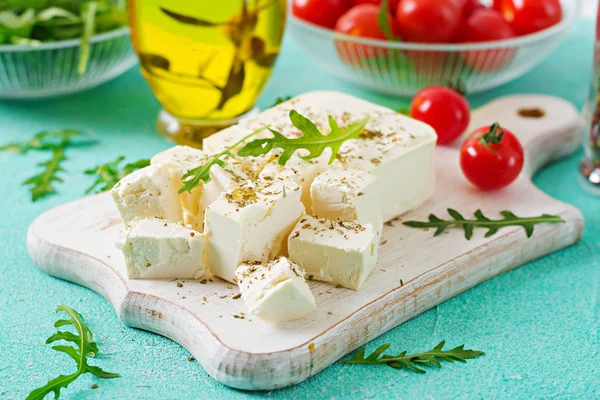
x: 312, y: 139
x: 55, y: 142
x: 279, y: 100
x: 41, y: 184
x: 413, y: 361
x: 383, y: 18
x: 107, y: 175
x: 192, y: 178
x: 84, y: 348
x: 89, y: 16
x: 481, y: 221
x: 24, y: 22
x: 46, y: 140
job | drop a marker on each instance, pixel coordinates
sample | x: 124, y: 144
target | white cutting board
x: 76, y: 242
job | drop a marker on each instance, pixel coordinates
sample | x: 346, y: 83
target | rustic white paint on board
x: 76, y: 242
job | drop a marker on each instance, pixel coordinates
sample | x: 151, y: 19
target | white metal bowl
x: 404, y: 68
x: 50, y: 69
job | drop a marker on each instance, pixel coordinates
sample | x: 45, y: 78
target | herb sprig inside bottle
x: 312, y: 141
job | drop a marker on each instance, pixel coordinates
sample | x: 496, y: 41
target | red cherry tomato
x: 361, y: 20
x: 491, y: 158
x: 529, y: 16
x: 428, y: 21
x: 446, y: 110
x: 392, y: 4
x: 470, y: 6
x: 324, y: 13
x: 486, y: 25
x: 497, y: 5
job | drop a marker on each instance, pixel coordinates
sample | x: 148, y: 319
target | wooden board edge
x: 544, y: 151
x: 267, y: 371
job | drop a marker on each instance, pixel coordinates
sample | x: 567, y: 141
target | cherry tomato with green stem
x: 446, y: 110
x: 492, y: 157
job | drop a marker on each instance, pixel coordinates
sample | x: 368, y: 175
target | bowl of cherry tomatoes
x: 402, y: 46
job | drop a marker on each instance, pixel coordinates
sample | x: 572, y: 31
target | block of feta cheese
x: 250, y: 223
x: 275, y: 291
x: 157, y: 249
x: 340, y: 252
x: 397, y: 149
x: 149, y: 192
x: 179, y: 160
x: 348, y: 195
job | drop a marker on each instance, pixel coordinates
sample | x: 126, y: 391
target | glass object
x: 206, y: 61
x: 50, y: 69
x: 403, y: 68
x: 590, y: 165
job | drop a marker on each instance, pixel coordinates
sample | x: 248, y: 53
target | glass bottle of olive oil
x: 206, y: 60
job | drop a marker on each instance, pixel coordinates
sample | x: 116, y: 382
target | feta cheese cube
x: 348, y: 195
x: 157, y: 249
x: 275, y: 291
x: 250, y: 223
x: 148, y: 193
x: 399, y: 151
x: 339, y: 252
x: 179, y: 160
x: 302, y: 172
x: 237, y: 171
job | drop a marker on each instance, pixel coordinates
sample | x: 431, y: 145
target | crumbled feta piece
x: 179, y: 160
x: 275, y: 291
x: 147, y: 193
x: 348, y: 195
x: 157, y: 249
x: 298, y: 170
x: 250, y: 223
x: 339, y: 252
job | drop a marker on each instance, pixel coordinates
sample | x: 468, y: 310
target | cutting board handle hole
x: 532, y: 112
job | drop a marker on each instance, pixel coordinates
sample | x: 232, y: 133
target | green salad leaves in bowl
x: 52, y: 47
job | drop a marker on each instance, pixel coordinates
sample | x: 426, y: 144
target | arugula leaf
x: 280, y: 99
x: 383, y: 18
x: 45, y: 140
x: 41, y: 184
x: 312, y: 139
x: 481, y: 221
x: 412, y: 361
x: 89, y: 15
x: 191, y: 179
x: 31, y: 22
x: 55, y: 142
x: 107, y: 175
x: 84, y: 348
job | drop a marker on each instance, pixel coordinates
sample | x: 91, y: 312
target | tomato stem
x: 493, y: 136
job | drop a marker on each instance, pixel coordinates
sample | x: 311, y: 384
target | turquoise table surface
x: 538, y: 324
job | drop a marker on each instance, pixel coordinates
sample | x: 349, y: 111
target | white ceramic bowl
x: 51, y: 68
x: 404, y: 68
